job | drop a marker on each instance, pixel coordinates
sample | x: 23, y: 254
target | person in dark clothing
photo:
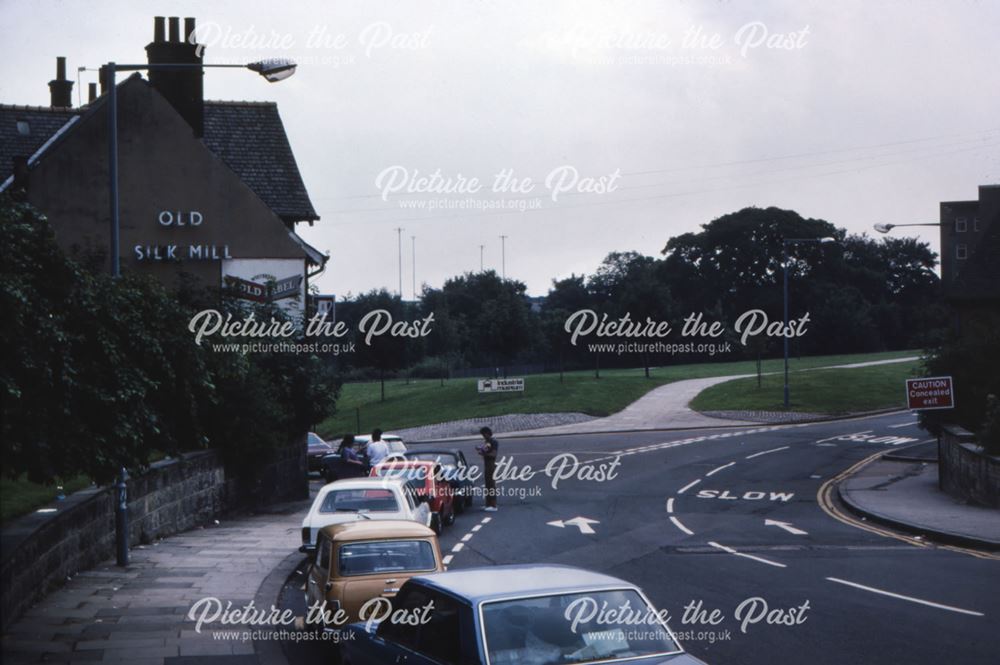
x: 351, y: 463
x: 488, y: 449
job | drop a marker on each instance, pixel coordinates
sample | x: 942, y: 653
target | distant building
x: 970, y: 254
x: 207, y: 188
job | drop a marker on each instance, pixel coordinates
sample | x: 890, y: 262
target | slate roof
x: 248, y: 136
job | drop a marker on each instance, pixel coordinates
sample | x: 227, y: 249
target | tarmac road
x: 734, y: 520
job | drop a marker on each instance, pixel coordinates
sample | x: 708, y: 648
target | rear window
x: 370, y: 500
x: 386, y: 557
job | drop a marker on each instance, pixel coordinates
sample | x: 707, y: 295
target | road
x: 713, y: 519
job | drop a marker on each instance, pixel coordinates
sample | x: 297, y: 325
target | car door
x: 418, y: 511
x: 439, y: 640
x: 319, y: 573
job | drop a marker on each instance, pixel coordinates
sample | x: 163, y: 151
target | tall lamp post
x: 272, y: 70
x: 784, y: 261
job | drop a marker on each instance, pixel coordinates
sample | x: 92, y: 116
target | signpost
x: 501, y: 385
x: 936, y: 392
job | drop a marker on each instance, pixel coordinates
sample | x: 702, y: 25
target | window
x: 386, y: 557
x: 961, y: 225
x: 353, y: 501
x: 323, y: 554
x: 411, y: 599
x: 23, y: 128
x: 961, y: 252
x: 975, y: 224
x: 441, y: 637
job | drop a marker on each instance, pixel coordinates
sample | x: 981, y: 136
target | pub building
x: 206, y: 188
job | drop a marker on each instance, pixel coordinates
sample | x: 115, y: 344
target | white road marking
x: 909, y: 598
x: 767, y: 452
x: 837, y: 436
x: 486, y: 520
x: 688, y: 486
x: 458, y: 547
x: 787, y: 527
x: 730, y: 550
x: 902, y: 425
x: 677, y: 523
x: 477, y: 528
x: 582, y: 523
x: 447, y: 559
x: 719, y: 468
x: 467, y: 537
x: 670, y: 505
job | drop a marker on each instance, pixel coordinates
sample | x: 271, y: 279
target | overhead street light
x: 785, y: 242
x: 273, y: 70
x: 885, y: 228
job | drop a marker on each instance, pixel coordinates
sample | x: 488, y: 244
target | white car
x: 396, y: 445
x: 362, y: 499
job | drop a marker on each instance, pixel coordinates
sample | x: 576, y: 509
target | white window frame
x: 961, y: 225
x: 975, y: 224
x: 961, y: 252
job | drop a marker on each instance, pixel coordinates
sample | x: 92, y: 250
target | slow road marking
x: 900, y: 596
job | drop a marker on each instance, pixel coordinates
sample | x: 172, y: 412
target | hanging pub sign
x: 265, y: 288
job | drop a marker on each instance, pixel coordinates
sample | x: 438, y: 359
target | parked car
x: 317, y: 450
x: 523, y: 614
x: 358, y: 561
x: 426, y: 481
x: 358, y: 499
x: 454, y: 469
x: 333, y: 468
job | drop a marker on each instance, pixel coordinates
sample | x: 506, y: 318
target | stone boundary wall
x: 40, y: 551
x: 965, y: 471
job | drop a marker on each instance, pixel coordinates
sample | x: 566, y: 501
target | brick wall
x: 965, y: 471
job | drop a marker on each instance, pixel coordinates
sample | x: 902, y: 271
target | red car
x: 427, y: 482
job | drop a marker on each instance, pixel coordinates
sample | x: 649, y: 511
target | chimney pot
x: 60, y: 89
x: 159, y: 29
x: 189, y: 30
x: 91, y: 93
x: 61, y: 68
x: 175, y: 29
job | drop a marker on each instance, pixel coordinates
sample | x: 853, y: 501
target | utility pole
x: 399, y: 238
x: 482, y: 248
x: 503, y: 257
x: 413, y: 246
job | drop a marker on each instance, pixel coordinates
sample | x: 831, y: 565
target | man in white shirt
x: 378, y: 449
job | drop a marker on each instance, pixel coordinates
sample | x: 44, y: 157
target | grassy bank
x: 424, y: 402
x: 20, y: 496
x: 829, y: 391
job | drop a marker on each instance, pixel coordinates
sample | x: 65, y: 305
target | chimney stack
x: 91, y: 93
x: 61, y: 89
x: 183, y: 88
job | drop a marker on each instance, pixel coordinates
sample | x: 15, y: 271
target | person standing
x: 350, y: 462
x: 488, y: 450
x: 378, y: 449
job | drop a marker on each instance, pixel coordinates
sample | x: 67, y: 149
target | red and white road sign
x: 936, y: 392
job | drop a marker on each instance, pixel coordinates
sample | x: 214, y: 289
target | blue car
x: 507, y: 615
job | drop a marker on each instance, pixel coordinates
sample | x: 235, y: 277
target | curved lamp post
x: 273, y: 70
x: 784, y: 260
x: 885, y: 228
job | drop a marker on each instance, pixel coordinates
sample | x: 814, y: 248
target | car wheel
x: 451, y: 516
x: 436, y: 523
x: 458, y: 503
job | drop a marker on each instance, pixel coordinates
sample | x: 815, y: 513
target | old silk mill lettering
x: 181, y: 252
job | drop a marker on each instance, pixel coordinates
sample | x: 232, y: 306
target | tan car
x: 358, y: 561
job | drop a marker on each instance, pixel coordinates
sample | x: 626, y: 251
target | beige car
x: 358, y: 561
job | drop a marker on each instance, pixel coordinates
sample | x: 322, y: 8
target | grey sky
x: 893, y: 107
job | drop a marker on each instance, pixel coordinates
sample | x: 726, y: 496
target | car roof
x: 376, y: 530
x: 433, y: 451
x: 364, y: 483
x: 499, y: 582
x: 405, y: 463
x: 365, y: 438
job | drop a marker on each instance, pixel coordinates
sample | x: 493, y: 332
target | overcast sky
x: 858, y: 112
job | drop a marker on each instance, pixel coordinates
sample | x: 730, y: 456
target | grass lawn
x: 20, y: 496
x: 829, y: 391
x: 426, y: 401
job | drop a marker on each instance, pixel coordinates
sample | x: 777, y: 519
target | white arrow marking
x: 582, y: 523
x: 787, y: 527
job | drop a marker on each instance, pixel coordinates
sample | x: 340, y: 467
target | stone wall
x: 965, y: 471
x: 40, y: 551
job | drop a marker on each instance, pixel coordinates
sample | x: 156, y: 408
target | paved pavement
x: 139, y: 614
x: 906, y: 494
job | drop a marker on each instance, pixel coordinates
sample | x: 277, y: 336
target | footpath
x: 139, y: 614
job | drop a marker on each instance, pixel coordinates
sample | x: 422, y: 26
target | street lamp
x: 273, y: 70
x: 785, y: 242
x: 885, y: 228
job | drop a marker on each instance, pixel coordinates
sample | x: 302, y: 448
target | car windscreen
x: 415, y: 477
x: 572, y: 628
x: 314, y: 440
x: 370, y: 500
x: 395, y: 445
x: 385, y: 557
